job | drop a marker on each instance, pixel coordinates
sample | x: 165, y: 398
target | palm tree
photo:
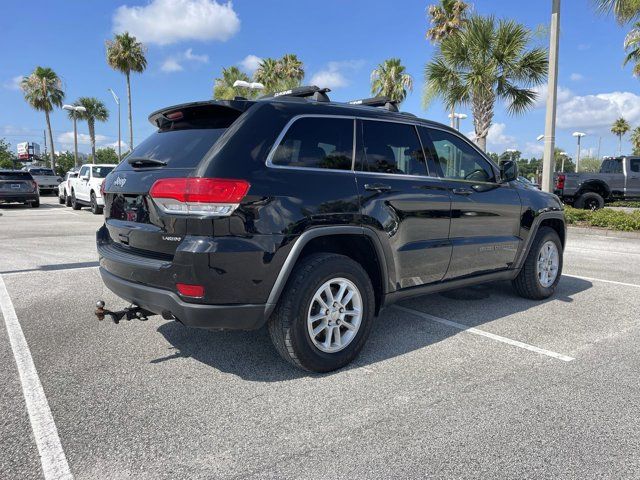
x: 632, y: 47
x: 223, y: 88
x: 447, y: 19
x: 94, y: 110
x: 126, y: 54
x: 291, y: 71
x: 620, y: 128
x: 635, y: 140
x: 487, y: 61
x: 624, y: 10
x: 43, y: 91
x: 268, y: 75
x: 389, y: 79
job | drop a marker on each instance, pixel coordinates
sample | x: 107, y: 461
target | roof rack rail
x: 386, y: 102
x: 318, y: 94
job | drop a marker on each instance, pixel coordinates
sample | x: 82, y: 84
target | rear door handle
x: 377, y: 187
x: 462, y: 191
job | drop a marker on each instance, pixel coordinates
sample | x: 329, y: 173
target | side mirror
x: 508, y: 171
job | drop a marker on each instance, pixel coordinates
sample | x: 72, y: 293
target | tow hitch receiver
x: 132, y: 312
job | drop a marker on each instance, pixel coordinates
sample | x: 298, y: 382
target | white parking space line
x: 591, y: 279
x: 52, y: 457
x: 482, y: 333
x: 600, y: 250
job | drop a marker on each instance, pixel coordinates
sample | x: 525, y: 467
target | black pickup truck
x: 311, y: 216
x: 619, y: 179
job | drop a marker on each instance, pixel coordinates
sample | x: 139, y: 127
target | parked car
x: 619, y: 179
x: 18, y: 186
x: 85, y: 188
x: 46, y: 178
x: 64, y: 188
x: 311, y: 216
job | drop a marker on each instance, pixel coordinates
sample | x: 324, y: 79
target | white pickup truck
x: 85, y: 188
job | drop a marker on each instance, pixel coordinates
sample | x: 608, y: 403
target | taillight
x: 215, y: 197
x: 102, y: 187
x: 560, y: 182
x: 34, y: 185
x: 195, y: 291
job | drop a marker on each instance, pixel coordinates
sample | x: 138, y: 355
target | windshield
x: 101, y: 172
x: 41, y: 171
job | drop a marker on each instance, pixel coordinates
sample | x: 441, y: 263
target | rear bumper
x: 19, y: 197
x: 167, y: 303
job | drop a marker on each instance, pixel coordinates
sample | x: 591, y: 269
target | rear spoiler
x: 161, y: 117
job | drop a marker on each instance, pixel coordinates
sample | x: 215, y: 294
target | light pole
x: 455, y: 119
x: 75, y: 109
x: 563, y: 155
x: 550, y: 120
x: 579, y: 136
x: 117, y: 100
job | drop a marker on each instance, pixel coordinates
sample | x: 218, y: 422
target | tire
x: 74, y: 203
x: 589, y: 201
x: 67, y: 200
x: 95, y: 208
x: 289, y: 325
x: 35, y: 204
x: 530, y: 281
x: 61, y: 200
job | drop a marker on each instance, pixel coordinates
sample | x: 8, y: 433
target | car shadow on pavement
x: 251, y: 356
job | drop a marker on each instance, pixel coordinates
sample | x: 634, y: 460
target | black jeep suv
x: 311, y: 216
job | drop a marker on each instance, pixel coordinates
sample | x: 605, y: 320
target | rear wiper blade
x: 141, y: 161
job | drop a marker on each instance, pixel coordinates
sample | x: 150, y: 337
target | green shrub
x: 604, y: 218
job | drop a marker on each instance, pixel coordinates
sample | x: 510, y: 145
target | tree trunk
x: 92, y: 135
x: 52, y: 156
x: 482, y: 109
x: 620, y: 145
x: 130, y: 116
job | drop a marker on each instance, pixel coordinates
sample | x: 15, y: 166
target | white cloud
x: 66, y: 138
x: 576, y: 77
x: 193, y: 57
x: 250, y: 63
x: 175, y: 63
x: 533, y: 149
x: 333, y: 76
x: 497, y: 137
x: 171, y: 65
x: 563, y: 95
x: 13, y: 84
x: 164, y: 22
x: 114, y: 145
x: 599, y: 111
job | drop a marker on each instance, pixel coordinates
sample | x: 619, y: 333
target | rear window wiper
x: 146, y: 162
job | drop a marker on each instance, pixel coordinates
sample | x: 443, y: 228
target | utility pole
x: 44, y: 136
x: 548, y: 161
x: 117, y: 100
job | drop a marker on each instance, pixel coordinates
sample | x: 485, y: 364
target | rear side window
x: 392, y: 148
x: 102, y: 172
x: 15, y: 176
x: 611, y: 166
x: 316, y: 142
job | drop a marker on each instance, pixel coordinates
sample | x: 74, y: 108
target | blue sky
x: 340, y: 42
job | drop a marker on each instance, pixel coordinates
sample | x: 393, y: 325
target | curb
x: 603, y: 232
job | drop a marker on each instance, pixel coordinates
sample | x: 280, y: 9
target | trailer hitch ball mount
x: 132, y: 312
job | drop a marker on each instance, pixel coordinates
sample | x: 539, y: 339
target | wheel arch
x: 597, y: 186
x: 552, y: 219
x: 358, y: 243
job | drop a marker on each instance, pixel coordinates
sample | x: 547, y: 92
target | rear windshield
x: 41, y: 171
x: 101, y: 172
x: 15, y: 176
x: 178, y: 148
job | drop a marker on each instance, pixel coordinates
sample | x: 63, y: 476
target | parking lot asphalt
x: 471, y: 383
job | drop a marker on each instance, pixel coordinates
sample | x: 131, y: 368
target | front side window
x: 84, y: 171
x: 392, y: 148
x: 317, y: 142
x: 635, y: 165
x: 458, y: 160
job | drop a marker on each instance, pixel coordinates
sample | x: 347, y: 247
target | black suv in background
x: 18, y: 186
x: 311, y: 215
